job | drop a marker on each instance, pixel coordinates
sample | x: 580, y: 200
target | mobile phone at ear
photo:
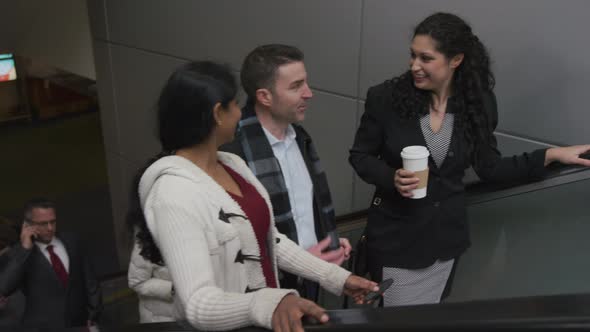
x: 383, y: 286
x: 33, y: 236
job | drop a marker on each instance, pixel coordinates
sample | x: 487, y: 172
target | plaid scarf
x: 260, y: 158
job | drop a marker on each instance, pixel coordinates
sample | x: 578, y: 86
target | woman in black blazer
x: 444, y: 102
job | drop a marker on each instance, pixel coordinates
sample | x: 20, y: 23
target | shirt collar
x: 289, y: 136
x: 43, y: 246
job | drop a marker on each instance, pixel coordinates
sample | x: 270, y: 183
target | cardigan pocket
x: 224, y: 246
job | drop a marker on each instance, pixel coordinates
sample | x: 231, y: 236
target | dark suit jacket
x: 48, y: 303
x: 414, y: 233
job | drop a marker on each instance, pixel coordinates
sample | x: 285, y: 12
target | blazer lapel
x: 456, y: 145
x: 453, y: 148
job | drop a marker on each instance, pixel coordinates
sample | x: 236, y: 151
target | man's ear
x: 457, y: 60
x: 264, y: 97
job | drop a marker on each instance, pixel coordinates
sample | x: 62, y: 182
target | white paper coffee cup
x: 415, y: 159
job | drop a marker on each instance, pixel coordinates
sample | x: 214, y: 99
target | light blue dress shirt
x: 298, y: 184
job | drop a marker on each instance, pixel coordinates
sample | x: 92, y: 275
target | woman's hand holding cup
x: 413, y: 177
x: 405, y: 182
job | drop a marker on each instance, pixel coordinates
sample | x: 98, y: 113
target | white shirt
x: 58, y: 248
x: 298, y: 184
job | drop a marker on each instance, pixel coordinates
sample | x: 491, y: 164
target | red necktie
x: 58, y: 266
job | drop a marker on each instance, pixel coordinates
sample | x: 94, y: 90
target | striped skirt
x: 420, y: 286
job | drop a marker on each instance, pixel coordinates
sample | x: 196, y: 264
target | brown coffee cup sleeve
x: 423, y: 176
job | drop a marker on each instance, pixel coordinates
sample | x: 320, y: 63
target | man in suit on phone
x: 52, y: 271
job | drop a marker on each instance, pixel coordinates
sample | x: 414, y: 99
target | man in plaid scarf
x: 282, y: 156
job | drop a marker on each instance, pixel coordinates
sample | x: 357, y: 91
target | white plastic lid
x: 415, y: 152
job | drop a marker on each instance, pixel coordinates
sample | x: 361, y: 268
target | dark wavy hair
x: 471, y: 80
x: 185, y: 118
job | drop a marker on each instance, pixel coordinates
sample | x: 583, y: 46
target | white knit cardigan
x: 183, y: 206
x: 153, y: 286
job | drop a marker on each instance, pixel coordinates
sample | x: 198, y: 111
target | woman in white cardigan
x: 205, y: 215
x: 153, y: 285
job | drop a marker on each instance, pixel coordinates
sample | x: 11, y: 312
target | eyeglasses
x: 43, y: 224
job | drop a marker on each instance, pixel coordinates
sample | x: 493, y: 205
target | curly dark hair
x: 185, y: 118
x: 471, y: 80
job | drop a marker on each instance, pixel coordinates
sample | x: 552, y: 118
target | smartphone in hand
x: 383, y: 286
x: 334, y: 241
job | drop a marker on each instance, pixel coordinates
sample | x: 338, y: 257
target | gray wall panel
x: 129, y: 170
x: 104, y: 79
x: 97, y: 18
x: 330, y: 120
x: 118, y: 204
x: 121, y: 174
x: 197, y: 30
x: 55, y: 33
x: 542, y: 76
x: 138, y: 79
x: 540, y: 68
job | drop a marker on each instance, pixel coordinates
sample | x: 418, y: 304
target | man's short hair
x: 260, y: 66
x: 37, y: 203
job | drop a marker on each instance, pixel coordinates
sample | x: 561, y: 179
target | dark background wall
x: 8, y: 27
x: 538, y: 48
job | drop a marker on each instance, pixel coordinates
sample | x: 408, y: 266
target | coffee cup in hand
x: 415, y: 159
